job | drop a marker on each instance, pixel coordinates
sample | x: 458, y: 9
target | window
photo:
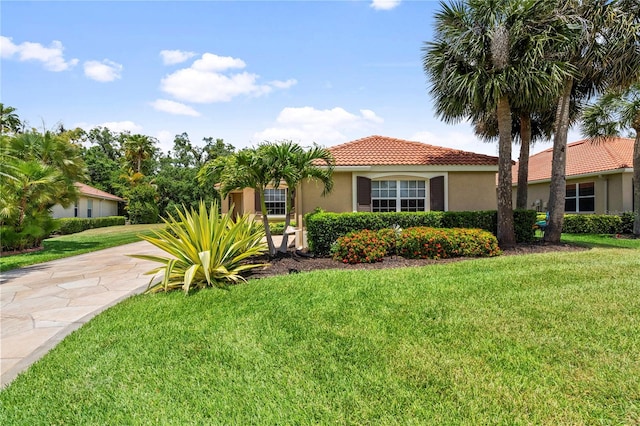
x: 276, y: 201
x: 580, y: 197
x: 75, y: 209
x: 89, y: 208
x: 402, y: 195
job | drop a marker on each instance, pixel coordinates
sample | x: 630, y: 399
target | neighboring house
x: 379, y: 174
x: 599, y: 177
x: 92, y: 202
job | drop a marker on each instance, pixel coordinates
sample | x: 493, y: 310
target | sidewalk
x: 41, y: 304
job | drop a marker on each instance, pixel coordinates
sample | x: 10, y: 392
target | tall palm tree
x: 612, y: 114
x: 603, y: 52
x: 490, y: 56
x: 292, y: 164
x: 138, y: 148
x: 9, y: 120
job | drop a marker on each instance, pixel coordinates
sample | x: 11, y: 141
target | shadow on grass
x: 603, y: 241
x: 55, y: 247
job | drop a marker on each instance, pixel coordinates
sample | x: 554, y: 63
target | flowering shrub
x: 363, y: 246
x: 414, y: 243
x: 431, y: 243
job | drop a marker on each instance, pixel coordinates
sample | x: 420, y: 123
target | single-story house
x: 92, y: 202
x: 379, y: 174
x: 599, y: 177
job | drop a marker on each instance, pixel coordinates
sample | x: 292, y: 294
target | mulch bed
x: 292, y: 263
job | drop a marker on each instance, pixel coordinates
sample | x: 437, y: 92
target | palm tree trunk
x: 265, y: 223
x: 523, y: 161
x: 636, y: 178
x: 287, y: 221
x: 506, y: 233
x: 558, y: 187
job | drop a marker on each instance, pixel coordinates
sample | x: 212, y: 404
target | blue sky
x: 326, y: 72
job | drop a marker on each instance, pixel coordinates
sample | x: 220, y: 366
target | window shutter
x: 257, y: 200
x: 436, y: 193
x: 364, y: 194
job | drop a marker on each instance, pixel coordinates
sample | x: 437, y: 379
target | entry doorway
x: 235, y: 201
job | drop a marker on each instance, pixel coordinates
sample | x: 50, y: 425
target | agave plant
x: 206, y: 248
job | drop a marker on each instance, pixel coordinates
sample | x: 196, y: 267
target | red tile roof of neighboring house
x: 381, y: 150
x: 583, y: 157
x: 90, y: 191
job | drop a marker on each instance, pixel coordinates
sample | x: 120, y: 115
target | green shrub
x: 369, y: 246
x: 205, y: 248
x: 362, y: 246
x: 277, y: 228
x: 523, y: 221
x: 592, y: 224
x: 72, y: 225
x: 627, y: 223
x: 431, y: 243
x: 324, y: 228
x: 36, y: 226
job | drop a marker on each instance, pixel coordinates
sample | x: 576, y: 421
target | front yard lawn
x: 535, y: 339
x: 82, y: 242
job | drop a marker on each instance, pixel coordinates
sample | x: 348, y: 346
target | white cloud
x: 206, y: 81
x: 165, y: 140
x: 384, y: 4
x: 104, y: 71
x: 215, y: 63
x: 284, y: 84
x: 52, y: 57
x: 121, y: 126
x: 171, y: 57
x: 173, y: 107
x: 326, y: 127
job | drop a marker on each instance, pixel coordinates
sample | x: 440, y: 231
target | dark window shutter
x: 257, y: 200
x: 364, y: 191
x: 436, y: 193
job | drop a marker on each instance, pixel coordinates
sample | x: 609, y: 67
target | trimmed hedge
x: 414, y: 243
x: 72, y: 225
x: 277, y: 228
x: 324, y: 228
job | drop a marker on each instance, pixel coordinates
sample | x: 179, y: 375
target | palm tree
x: 613, y: 113
x: 9, y: 120
x: 489, y: 56
x: 603, y: 52
x: 138, y: 148
x: 248, y: 168
x: 292, y: 164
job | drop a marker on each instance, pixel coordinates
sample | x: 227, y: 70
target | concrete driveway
x: 41, y: 304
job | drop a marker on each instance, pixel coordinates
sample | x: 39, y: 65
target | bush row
x: 324, y: 228
x: 369, y: 246
x: 598, y: 223
x: 71, y: 225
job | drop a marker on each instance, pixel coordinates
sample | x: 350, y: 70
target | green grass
x: 604, y: 241
x: 539, y: 339
x: 74, y: 244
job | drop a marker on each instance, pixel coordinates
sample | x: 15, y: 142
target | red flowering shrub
x: 424, y: 243
x: 414, y: 243
x: 432, y: 243
x: 362, y: 246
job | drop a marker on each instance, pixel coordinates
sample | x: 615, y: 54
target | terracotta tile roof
x: 381, y: 150
x: 583, y: 157
x: 90, y: 191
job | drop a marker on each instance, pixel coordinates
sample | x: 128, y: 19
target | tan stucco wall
x: 472, y: 191
x: 339, y: 200
x: 101, y: 208
x: 614, y: 192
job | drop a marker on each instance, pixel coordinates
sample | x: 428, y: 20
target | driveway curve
x: 41, y: 304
